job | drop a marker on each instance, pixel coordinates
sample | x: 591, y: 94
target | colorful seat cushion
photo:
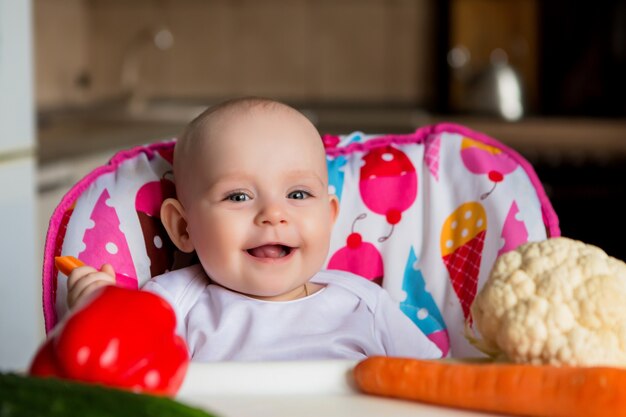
x: 423, y: 214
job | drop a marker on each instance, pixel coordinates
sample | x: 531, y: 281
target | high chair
x: 423, y: 214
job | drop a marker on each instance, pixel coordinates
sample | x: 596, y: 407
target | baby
x: 253, y: 203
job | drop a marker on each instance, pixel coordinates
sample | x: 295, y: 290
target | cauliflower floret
x: 559, y: 301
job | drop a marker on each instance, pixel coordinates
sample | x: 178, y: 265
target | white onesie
x: 350, y: 318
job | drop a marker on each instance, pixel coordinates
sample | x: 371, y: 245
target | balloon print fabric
x: 425, y: 215
x: 114, y: 218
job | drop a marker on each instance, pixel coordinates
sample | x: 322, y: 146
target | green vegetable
x: 27, y: 396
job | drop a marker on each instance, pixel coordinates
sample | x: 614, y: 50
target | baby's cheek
x: 318, y: 241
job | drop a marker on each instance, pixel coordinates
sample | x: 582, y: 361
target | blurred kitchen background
x: 83, y: 78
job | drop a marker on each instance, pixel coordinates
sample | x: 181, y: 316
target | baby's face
x: 260, y: 215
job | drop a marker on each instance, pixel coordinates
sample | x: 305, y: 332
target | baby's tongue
x: 268, y: 251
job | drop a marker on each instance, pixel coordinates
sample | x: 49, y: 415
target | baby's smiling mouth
x: 271, y: 251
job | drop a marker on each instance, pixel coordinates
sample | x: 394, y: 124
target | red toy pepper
x: 117, y: 337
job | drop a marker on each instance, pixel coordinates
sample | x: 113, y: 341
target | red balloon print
x: 481, y: 159
x: 388, y: 184
x: 159, y: 247
x: 358, y: 257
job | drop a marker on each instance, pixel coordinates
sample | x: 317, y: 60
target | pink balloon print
x: 388, y: 184
x: 482, y: 159
x: 514, y: 232
x: 358, y: 257
x: 330, y: 141
x: 150, y: 196
x: 167, y: 154
x: 105, y: 243
x: 159, y: 247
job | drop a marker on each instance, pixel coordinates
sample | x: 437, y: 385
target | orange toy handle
x: 66, y: 264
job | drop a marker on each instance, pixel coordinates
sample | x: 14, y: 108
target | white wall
x: 20, y: 294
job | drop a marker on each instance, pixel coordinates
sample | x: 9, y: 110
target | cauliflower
x: 559, y: 301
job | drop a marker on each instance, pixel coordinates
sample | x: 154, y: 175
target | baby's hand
x: 85, y: 279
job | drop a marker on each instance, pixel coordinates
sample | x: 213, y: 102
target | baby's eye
x: 299, y: 195
x: 238, y: 197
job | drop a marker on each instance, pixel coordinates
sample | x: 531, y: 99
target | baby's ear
x: 334, y: 208
x: 173, y: 218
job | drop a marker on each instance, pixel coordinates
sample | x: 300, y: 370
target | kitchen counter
x: 79, y: 138
x: 303, y: 389
x: 567, y: 138
x: 65, y: 134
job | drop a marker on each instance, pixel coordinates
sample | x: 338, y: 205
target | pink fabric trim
x: 550, y: 218
x: 49, y: 270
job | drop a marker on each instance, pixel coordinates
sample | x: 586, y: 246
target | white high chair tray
x: 277, y: 389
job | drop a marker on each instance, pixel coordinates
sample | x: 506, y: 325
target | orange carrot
x: 524, y: 390
x: 66, y: 264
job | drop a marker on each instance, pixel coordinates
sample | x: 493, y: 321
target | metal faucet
x: 161, y: 38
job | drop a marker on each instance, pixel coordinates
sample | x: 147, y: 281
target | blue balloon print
x: 419, y: 305
x: 336, y: 174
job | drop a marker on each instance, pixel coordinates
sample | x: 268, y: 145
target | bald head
x: 257, y: 122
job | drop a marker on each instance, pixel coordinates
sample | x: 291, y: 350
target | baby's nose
x: 272, y: 214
